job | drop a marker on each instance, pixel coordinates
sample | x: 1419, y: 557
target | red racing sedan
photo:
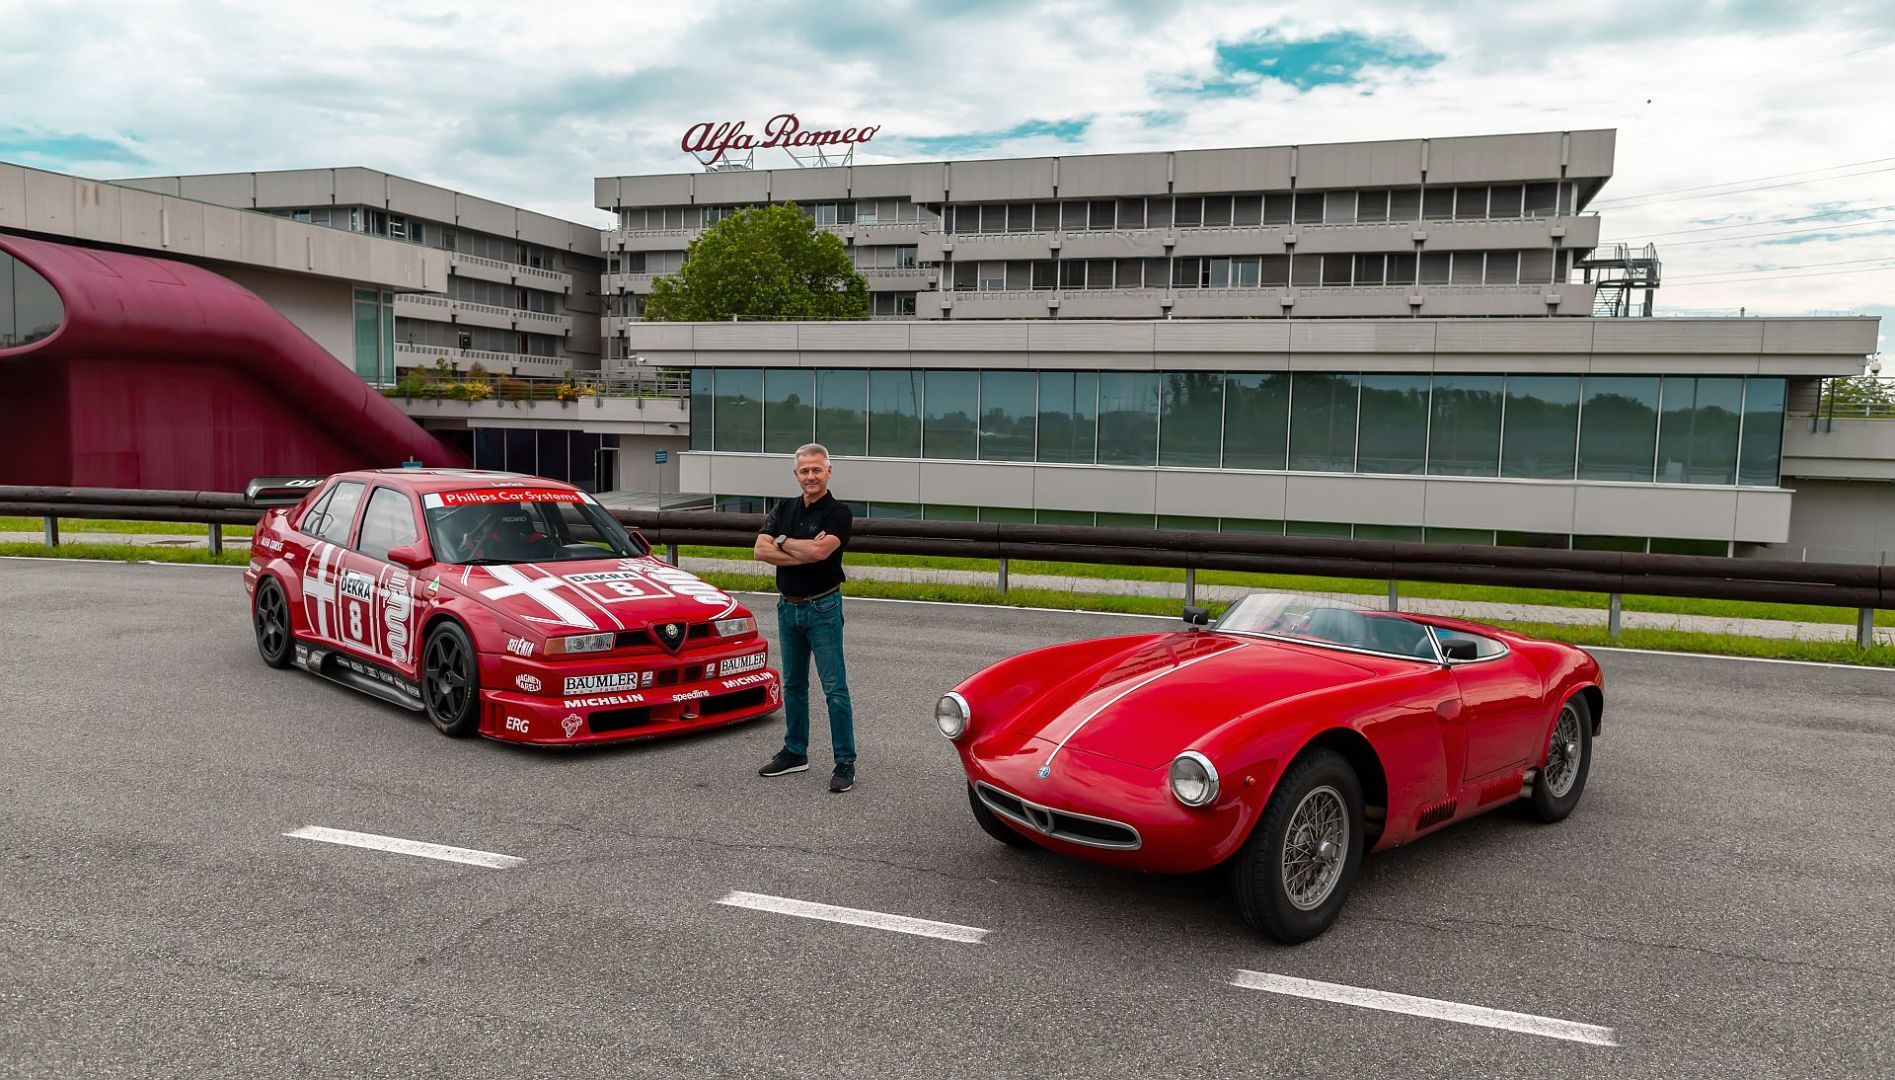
x: 498, y: 604
x: 1287, y: 740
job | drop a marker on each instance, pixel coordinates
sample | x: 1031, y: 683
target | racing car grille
x: 619, y: 719
x: 737, y: 702
x: 628, y: 639
x: 1060, y: 824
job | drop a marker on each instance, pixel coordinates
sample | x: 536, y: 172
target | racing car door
x: 375, y: 598
x: 329, y: 524
x: 1501, y: 706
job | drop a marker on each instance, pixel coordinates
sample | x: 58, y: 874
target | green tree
x: 1863, y: 390
x: 765, y: 262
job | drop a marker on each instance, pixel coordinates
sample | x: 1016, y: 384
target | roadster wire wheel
x: 272, y: 618
x: 1294, y: 872
x: 450, y: 681
x: 1561, y: 780
x: 1313, y: 849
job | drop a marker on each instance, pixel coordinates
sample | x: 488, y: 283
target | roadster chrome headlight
x: 1193, y: 779
x: 951, y: 715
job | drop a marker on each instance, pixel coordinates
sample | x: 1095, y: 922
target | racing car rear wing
x: 281, y: 490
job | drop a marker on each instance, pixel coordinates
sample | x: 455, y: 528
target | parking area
x: 210, y: 868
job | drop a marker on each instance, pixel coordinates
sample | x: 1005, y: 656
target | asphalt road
x: 1723, y: 899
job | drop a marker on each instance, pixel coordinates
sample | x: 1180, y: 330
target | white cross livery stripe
x: 319, y: 590
x: 540, y: 591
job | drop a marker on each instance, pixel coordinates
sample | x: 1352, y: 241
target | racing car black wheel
x: 1295, y: 871
x: 271, y: 615
x: 450, y: 680
x: 991, y: 824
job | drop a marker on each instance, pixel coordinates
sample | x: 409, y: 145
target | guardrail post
x: 1394, y: 595
x: 217, y: 539
x: 1190, y: 586
x: 671, y: 554
x: 1865, y: 627
x: 52, y: 531
x: 1613, y: 610
x: 1003, y: 577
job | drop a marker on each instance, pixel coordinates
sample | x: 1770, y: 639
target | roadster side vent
x: 1498, y: 790
x: 1431, y: 816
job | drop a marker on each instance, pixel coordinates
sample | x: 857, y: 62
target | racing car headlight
x: 951, y: 715
x: 734, y: 627
x: 1193, y: 779
x: 578, y: 643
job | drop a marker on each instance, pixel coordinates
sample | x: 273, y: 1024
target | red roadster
x: 501, y: 604
x: 1288, y: 739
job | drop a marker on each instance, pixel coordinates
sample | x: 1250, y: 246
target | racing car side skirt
x: 358, y: 674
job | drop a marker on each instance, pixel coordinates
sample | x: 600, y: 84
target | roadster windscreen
x: 1320, y: 620
x: 523, y: 526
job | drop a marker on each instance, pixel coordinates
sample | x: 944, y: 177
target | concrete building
x: 521, y: 294
x: 1393, y: 340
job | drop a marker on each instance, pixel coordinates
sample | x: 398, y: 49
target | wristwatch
x: 780, y: 539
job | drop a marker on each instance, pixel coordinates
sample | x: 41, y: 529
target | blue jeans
x: 815, y: 629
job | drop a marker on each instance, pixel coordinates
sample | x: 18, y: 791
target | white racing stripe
x: 1428, y: 1007
x: 875, y: 920
x: 406, y: 847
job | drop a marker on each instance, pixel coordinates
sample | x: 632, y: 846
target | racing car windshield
x: 1321, y: 620
x: 523, y: 525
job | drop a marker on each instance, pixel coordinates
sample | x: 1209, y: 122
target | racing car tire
x: 1318, y: 789
x: 991, y: 824
x: 270, y: 616
x: 1548, y: 803
x: 450, y: 680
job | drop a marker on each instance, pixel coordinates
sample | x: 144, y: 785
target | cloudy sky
x: 1751, y: 147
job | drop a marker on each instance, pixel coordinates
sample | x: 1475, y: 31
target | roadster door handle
x: 1448, y: 709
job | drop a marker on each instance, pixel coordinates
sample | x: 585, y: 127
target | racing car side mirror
x: 1197, y: 616
x: 413, y: 556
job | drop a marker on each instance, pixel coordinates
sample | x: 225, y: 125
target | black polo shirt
x: 798, y: 521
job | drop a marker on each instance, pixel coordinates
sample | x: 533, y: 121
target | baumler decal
x: 618, y: 680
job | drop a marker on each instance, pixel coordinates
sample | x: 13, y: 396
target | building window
x: 1322, y: 421
x: 30, y: 309
x: 1618, y: 427
x: 1464, y: 425
x: 789, y: 409
x: 951, y: 400
x: 1759, y: 458
x: 1128, y: 418
x: 1541, y: 435
x: 1068, y: 412
x: 702, y: 421
x: 894, y: 413
x: 1007, y: 414
x: 1190, y: 423
x: 737, y: 415
x: 1394, y: 424
x: 1698, y: 429
x: 842, y: 411
x: 1256, y: 420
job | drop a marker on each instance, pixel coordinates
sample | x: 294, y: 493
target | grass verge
x: 130, y: 553
x: 1838, y: 652
x: 1421, y: 590
x: 130, y: 528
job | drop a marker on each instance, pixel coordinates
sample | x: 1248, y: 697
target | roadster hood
x: 1158, y: 699
x: 574, y: 596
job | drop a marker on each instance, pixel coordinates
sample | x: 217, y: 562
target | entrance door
x: 605, y: 469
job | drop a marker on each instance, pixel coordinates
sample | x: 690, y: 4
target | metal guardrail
x: 1863, y: 587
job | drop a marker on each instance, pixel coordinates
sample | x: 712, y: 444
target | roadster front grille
x: 1064, y: 825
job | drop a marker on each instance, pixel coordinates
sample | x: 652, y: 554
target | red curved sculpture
x: 167, y: 375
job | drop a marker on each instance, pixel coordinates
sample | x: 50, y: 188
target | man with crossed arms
x: 803, y: 538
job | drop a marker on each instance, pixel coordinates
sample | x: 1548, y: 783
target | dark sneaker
x: 843, y: 778
x: 784, y: 762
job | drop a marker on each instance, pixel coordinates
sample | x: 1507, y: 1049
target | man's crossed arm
x: 795, y: 552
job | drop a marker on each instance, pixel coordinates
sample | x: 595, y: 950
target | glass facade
x: 1717, y: 430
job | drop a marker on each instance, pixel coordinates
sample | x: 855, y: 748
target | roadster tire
x: 1293, y: 874
x: 991, y: 824
x: 1561, y: 778
x: 450, y: 680
x: 271, y: 617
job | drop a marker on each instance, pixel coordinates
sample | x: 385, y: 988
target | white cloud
x: 526, y: 103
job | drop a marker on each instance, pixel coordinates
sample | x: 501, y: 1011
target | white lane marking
x: 406, y: 847
x: 1428, y: 1007
x: 875, y: 920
